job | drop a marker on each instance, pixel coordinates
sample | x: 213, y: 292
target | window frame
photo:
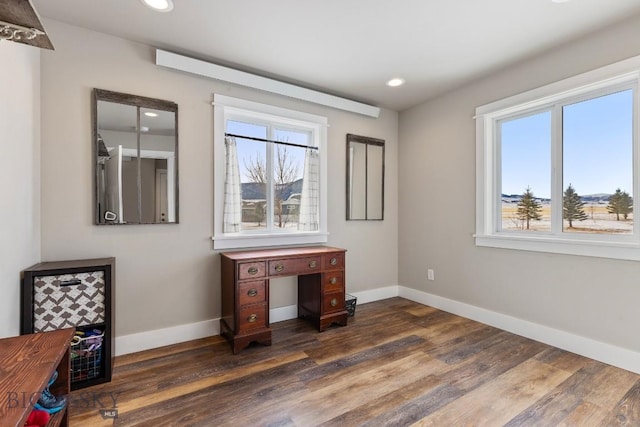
x: 229, y: 108
x: 553, y: 97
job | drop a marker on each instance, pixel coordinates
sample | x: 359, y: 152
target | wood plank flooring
x: 397, y: 363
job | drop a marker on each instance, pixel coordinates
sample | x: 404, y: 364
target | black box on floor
x: 350, y: 303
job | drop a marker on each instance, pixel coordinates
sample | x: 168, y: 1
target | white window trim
x: 225, y: 107
x: 487, y: 179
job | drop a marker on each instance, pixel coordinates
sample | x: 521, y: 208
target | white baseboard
x: 603, y: 352
x: 283, y: 313
x: 160, y: 337
x: 375, y: 294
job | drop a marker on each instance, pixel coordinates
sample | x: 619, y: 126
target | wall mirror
x: 365, y: 178
x: 135, y: 142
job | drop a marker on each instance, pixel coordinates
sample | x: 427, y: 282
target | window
x: 557, y: 169
x: 270, y: 175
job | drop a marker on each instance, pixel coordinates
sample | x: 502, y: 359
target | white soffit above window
x: 242, y: 78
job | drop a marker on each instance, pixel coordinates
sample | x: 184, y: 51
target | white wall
x: 19, y: 175
x: 589, y: 297
x: 168, y: 275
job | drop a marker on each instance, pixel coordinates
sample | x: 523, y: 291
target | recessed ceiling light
x: 159, y: 5
x: 395, y: 82
x: 151, y: 114
x: 559, y: 1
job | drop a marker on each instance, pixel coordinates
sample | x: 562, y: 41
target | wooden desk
x: 26, y: 365
x: 245, y: 290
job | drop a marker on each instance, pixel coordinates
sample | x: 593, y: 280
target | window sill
x: 601, y: 249
x: 262, y: 240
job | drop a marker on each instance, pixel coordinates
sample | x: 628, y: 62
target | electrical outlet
x: 430, y: 274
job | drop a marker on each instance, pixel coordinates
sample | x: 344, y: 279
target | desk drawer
x: 288, y: 267
x: 249, y: 270
x: 333, y: 281
x: 333, y: 261
x: 251, y: 292
x: 332, y: 302
x: 253, y: 317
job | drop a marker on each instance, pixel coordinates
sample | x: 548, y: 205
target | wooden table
x: 245, y: 289
x: 26, y: 365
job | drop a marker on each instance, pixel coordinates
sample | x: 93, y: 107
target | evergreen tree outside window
x: 620, y: 203
x: 529, y: 208
x: 572, y: 206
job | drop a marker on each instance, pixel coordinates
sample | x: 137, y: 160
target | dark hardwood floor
x: 397, y: 363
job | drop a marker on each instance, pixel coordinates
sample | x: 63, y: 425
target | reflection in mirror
x: 365, y: 178
x: 136, y: 148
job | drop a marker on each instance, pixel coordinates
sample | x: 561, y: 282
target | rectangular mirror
x: 135, y: 158
x: 365, y: 178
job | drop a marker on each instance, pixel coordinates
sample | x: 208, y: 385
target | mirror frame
x: 367, y: 141
x: 138, y: 102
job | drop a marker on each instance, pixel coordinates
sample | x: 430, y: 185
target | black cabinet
x: 78, y: 294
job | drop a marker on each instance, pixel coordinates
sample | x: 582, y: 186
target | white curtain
x: 310, y: 197
x: 232, y: 189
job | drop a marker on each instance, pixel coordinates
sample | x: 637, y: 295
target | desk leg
x: 239, y: 342
x: 328, y: 320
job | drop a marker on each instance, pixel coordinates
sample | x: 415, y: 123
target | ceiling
x: 352, y: 47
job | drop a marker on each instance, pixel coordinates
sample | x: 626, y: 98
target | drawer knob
x: 313, y: 264
x: 252, y: 292
x: 252, y: 318
x: 252, y: 271
x: 333, y: 281
x: 334, y: 302
x: 333, y: 261
x: 279, y: 267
